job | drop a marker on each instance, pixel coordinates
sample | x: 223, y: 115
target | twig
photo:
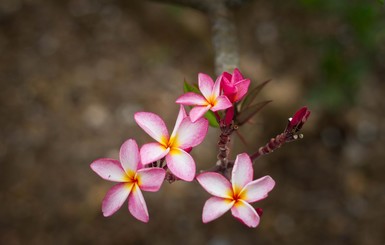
x: 224, y: 34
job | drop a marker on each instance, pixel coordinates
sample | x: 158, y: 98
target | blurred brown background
x: 73, y: 73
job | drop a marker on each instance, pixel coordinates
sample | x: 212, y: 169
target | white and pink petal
x: 215, y: 184
x: 191, y: 134
x: 217, y: 87
x: 205, y: 84
x: 198, y: 112
x: 222, y: 102
x: 242, y: 172
x: 129, y: 156
x: 181, y: 164
x: 150, y: 179
x: 115, y: 198
x: 109, y: 169
x: 137, y: 205
x: 191, y: 98
x: 181, y: 115
x: 215, y: 207
x: 152, y: 152
x: 257, y: 189
x: 153, y: 125
x: 245, y: 213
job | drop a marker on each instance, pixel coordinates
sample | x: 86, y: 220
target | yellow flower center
x: 237, y: 194
x: 212, y: 100
x: 132, y: 178
x: 170, y: 143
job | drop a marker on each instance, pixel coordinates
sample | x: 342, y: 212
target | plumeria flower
x: 235, y: 86
x: 174, y: 148
x: 235, y: 195
x: 209, y: 100
x: 132, y: 178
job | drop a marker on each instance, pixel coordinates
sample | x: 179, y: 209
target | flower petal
x: 150, y: 179
x: 109, y: 169
x: 198, y: 112
x: 229, y: 89
x: 191, y: 98
x: 237, y: 76
x: 226, y: 82
x: 235, y: 86
x: 115, y: 198
x: 245, y: 213
x: 152, y: 152
x: 181, y: 115
x: 222, y: 102
x: 205, y: 84
x: 226, y: 76
x: 242, y: 87
x: 217, y: 87
x: 181, y: 164
x: 215, y: 184
x: 242, y: 172
x: 137, y: 205
x: 257, y: 189
x: 215, y: 207
x: 153, y: 125
x: 129, y: 156
x: 191, y: 134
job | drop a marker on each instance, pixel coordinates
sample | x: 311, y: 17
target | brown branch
x: 273, y: 144
x: 224, y: 141
x: 202, y: 5
x: 224, y: 33
x: 224, y: 38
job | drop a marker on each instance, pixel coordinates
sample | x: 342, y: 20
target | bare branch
x: 224, y: 38
x: 202, y: 5
x: 224, y: 34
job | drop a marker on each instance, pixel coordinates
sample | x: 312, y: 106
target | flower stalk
x: 223, y: 144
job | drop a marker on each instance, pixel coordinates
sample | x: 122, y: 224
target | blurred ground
x: 72, y: 74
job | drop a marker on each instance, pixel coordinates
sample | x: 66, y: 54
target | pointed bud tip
x: 298, y: 120
x: 259, y: 211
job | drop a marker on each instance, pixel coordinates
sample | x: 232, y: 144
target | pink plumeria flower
x: 132, y: 180
x: 234, y: 85
x: 236, y: 195
x: 209, y: 100
x: 185, y: 135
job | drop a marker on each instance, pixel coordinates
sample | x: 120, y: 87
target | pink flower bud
x: 259, y: 211
x: 298, y: 120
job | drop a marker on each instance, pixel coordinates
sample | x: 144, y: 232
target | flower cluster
x: 225, y: 104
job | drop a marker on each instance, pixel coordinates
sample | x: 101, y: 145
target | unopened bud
x: 259, y: 211
x: 298, y: 120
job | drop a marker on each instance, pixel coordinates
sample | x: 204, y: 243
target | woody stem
x: 224, y: 33
x: 273, y: 144
x: 223, y: 144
